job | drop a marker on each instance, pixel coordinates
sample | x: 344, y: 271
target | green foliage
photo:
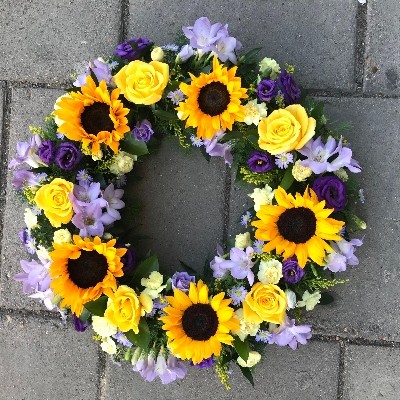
x: 242, y: 348
x: 97, y: 307
x: 324, y: 283
x: 142, y: 338
x: 144, y: 269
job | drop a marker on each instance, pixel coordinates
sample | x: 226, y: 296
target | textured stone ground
x: 347, y: 54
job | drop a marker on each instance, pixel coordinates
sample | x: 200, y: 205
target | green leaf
x: 97, y: 307
x: 141, y: 339
x: 326, y: 298
x: 133, y: 146
x: 247, y: 374
x: 144, y: 269
x: 287, y: 179
x: 242, y: 348
x: 166, y: 115
x: 250, y: 57
x: 85, y: 314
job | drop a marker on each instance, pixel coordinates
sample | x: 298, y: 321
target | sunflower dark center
x: 96, y: 118
x: 297, y: 224
x: 87, y: 270
x: 200, y: 321
x: 214, y: 98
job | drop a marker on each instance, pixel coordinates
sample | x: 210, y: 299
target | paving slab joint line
x: 36, y: 85
x: 361, y: 35
x: 227, y: 202
x: 101, y: 373
x: 341, y: 369
x: 123, y: 33
x: 357, y: 341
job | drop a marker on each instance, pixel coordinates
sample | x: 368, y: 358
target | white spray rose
x: 122, y: 163
x: 103, y: 327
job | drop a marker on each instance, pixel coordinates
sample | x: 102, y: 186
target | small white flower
x: 62, y: 236
x: 30, y: 218
x: 253, y: 112
x: 309, y: 300
x: 108, y: 345
x: 103, y: 327
x: 153, y: 284
x: 243, y: 240
x: 270, y: 272
x: 157, y: 54
x: 253, y: 359
x: 246, y: 328
x: 262, y: 197
x: 291, y: 299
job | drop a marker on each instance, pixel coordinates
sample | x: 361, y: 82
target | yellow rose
x: 143, y: 83
x: 265, y: 302
x: 124, y: 308
x: 285, y: 130
x: 54, y: 201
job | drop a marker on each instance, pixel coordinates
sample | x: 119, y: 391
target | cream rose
x: 270, y: 271
x: 243, y: 240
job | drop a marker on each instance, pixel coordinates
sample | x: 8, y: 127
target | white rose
x: 253, y: 359
x: 242, y: 240
x: 153, y: 284
x: 103, y: 327
x: 246, y: 328
x: 30, y: 218
x: 270, y: 272
x: 262, y: 197
x: 122, y: 163
x: 291, y: 299
x: 269, y: 63
x: 157, y: 54
x: 301, y: 173
x: 108, y: 345
x: 309, y: 300
x: 62, y: 236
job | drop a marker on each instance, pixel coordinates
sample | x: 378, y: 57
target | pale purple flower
x: 35, y: 276
x: 84, y: 195
x: 237, y: 294
x: 216, y: 263
x: 146, y: 367
x: 225, y: 48
x: 27, y: 153
x: 318, y: 155
x: 215, y: 149
x: 258, y: 246
x: 30, y: 244
x: 88, y: 220
x: 101, y: 70
x: 23, y: 177
x: 283, y: 160
x: 84, y: 178
x: 245, y: 219
x: 288, y: 334
x: 121, y: 338
x: 181, y: 281
x: 169, y: 370
x: 171, y: 47
x: 176, y: 96
x: 240, y: 263
x: 113, y: 198
x: 185, y: 53
x: 263, y: 336
x: 158, y: 305
x: 196, y: 141
x: 342, y: 255
x: 46, y: 297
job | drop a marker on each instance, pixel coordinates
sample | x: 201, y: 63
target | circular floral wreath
x: 248, y: 111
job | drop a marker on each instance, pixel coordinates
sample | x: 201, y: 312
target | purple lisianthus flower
x: 88, y: 220
x: 129, y: 259
x: 331, y: 189
x: 68, y: 156
x: 143, y: 131
x: 260, y: 162
x: 215, y: 149
x: 288, y: 334
x: 185, y: 53
x: 240, y: 263
x: 267, y: 90
x: 35, y: 276
x: 289, y: 88
x: 133, y: 48
x: 23, y: 177
x: 216, y: 263
x: 47, y: 151
x: 181, y: 281
x: 205, y: 363
x: 291, y: 271
x: 79, y: 325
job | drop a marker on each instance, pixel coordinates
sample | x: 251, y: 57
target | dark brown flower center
x: 200, y: 321
x: 87, y: 270
x: 297, y: 224
x: 96, y: 118
x: 214, y: 98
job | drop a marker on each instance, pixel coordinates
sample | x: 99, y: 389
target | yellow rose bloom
x: 124, y: 308
x: 285, y: 130
x: 54, y: 201
x: 265, y: 302
x: 143, y: 83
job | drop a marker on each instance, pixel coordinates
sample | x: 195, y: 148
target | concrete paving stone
x: 382, y: 51
x: 368, y: 306
x: 45, y: 360
x: 182, y: 199
x: 371, y: 373
x: 309, y: 373
x: 1, y: 117
x: 29, y: 107
x: 318, y: 36
x: 50, y: 47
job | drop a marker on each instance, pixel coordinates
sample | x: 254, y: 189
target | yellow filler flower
x: 92, y: 116
x: 213, y: 101
x: 297, y: 226
x: 82, y: 271
x: 196, y: 325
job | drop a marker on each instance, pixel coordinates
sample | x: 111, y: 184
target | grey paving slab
x: 29, y: 107
x: 43, y: 41
x: 382, y: 63
x: 371, y: 373
x: 182, y: 198
x: 317, y: 36
x: 368, y: 305
x: 37, y: 361
x: 307, y: 373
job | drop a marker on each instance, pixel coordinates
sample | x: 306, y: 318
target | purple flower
x: 291, y: 271
x: 263, y: 336
x: 176, y: 96
x: 88, y: 220
x: 225, y: 48
x: 122, y: 339
x: 113, y: 198
x: 215, y: 149
x: 35, y: 276
x: 30, y: 244
x: 133, y: 48
x: 26, y: 153
x: 185, y: 53
x: 83, y: 196
x: 23, y: 177
x: 101, y: 70
x: 181, y: 281
x: 169, y: 370
x: 68, y: 156
x: 245, y: 219
x: 158, y: 304
x: 143, y: 131
x: 258, y: 246
x: 240, y: 264
x: 145, y: 365
x: 283, y: 160
x: 47, y: 151
x: 216, y: 264
x: 288, y: 334
x: 83, y: 178
x: 79, y: 325
x: 205, y: 363
x: 331, y: 189
x: 237, y: 294
x: 318, y: 155
x: 342, y: 255
x: 289, y: 88
x: 266, y: 90
x: 129, y: 259
x: 260, y: 162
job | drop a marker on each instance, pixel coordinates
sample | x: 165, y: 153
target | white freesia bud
x: 243, y: 240
x: 157, y: 54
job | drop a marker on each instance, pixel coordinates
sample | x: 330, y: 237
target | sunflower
x: 196, y: 325
x: 92, y: 116
x: 213, y: 101
x: 82, y: 271
x: 297, y: 226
